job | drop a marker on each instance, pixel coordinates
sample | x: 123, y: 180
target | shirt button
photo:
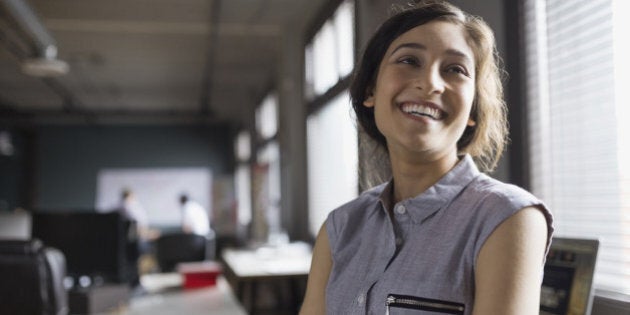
x: 400, y: 209
x: 361, y: 299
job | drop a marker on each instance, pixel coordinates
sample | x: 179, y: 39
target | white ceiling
x: 149, y: 60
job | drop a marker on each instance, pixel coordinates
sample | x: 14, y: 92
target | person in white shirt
x: 194, y: 217
x: 131, y: 209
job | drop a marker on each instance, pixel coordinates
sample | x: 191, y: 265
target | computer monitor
x: 567, y: 287
x: 94, y: 244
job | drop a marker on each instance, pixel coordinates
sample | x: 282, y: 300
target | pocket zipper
x: 412, y: 302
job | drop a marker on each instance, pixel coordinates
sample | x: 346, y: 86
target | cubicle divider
x: 99, y: 247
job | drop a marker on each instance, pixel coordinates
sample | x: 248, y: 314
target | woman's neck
x: 413, y: 176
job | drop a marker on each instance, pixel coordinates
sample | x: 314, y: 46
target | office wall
x: 68, y: 158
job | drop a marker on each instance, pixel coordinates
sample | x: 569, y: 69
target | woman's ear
x: 471, y: 122
x: 369, y: 100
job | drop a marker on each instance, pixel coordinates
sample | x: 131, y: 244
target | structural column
x: 292, y: 137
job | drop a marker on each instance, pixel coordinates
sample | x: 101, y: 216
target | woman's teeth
x: 421, y: 110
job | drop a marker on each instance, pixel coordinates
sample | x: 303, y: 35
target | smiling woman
x: 440, y: 236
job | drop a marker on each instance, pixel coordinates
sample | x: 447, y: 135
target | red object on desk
x: 199, y: 274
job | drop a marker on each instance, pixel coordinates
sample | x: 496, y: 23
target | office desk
x: 246, y: 269
x: 216, y: 300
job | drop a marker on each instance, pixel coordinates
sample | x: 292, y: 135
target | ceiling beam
x: 161, y: 27
x: 209, y: 68
x: 15, y: 117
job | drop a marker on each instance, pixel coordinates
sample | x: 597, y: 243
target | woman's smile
x: 422, y: 110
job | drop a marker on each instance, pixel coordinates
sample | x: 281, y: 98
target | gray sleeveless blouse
x: 421, y: 261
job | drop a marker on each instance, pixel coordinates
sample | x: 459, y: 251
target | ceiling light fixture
x: 45, y: 64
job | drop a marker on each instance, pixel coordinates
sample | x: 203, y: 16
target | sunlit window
x: 344, y: 38
x: 243, y: 178
x: 332, y: 159
x: 243, y: 146
x: 243, y: 194
x: 267, y: 117
x: 324, y: 59
x: 266, y: 184
x: 577, y: 81
x: 269, y: 159
x: 329, y: 57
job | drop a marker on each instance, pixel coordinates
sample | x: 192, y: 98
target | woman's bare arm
x: 509, y: 266
x: 315, y: 299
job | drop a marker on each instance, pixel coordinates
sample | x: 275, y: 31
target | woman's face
x: 424, y: 90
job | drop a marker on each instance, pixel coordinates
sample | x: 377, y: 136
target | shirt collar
x: 438, y: 195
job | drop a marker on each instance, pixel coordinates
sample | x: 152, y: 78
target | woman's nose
x: 430, y: 80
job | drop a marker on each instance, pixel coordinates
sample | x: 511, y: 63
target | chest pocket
x: 405, y: 304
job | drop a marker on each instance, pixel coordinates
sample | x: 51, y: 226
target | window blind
x: 579, y: 141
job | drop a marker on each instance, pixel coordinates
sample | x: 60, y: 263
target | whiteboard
x: 157, y: 190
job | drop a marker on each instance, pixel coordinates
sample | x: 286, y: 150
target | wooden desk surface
x: 216, y: 300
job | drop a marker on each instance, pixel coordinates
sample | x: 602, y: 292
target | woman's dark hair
x: 484, y: 141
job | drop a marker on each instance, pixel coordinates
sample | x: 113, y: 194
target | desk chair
x: 31, y: 279
x: 174, y: 248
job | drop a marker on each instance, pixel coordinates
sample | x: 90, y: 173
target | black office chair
x: 31, y: 279
x: 175, y: 248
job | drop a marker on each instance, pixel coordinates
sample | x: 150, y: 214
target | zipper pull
x: 390, y: 299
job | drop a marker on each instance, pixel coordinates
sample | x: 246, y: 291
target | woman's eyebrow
x: 450, y: 51
x: 409, y: 45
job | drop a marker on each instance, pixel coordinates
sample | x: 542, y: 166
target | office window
x: 332, y: 140
x: 243, y: 178
x: 243, y: 146
x: 344, y: 38
x: 269, y: 158
x: 330, y: 55
x: 267, y: 117
x: 332, y: 159
x: 266, y: 172
x: 577, y: 71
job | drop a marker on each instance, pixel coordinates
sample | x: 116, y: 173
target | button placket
x: 403, y: 218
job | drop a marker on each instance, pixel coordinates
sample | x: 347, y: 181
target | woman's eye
x: 457, y: 69
x: 409, y: 61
